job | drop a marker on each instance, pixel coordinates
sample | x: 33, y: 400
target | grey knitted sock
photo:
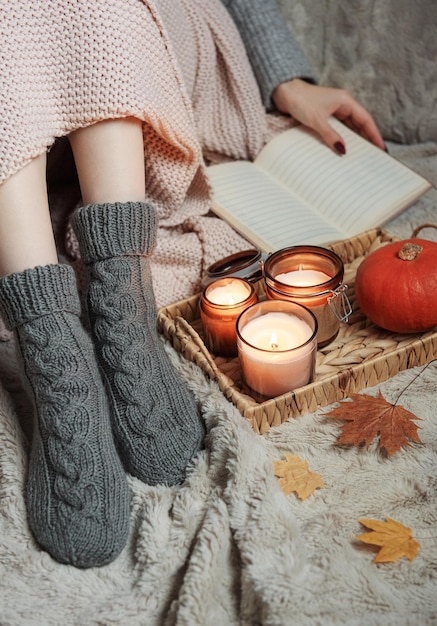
x: 77, y: 494
x: 156, y: 422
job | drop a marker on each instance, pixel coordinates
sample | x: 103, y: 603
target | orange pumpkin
x: 396, y: 286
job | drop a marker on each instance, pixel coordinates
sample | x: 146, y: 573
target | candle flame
x: 273, y: 342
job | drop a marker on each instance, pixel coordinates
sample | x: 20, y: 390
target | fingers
x: 330, y: 136
x: 358, y: 119
x: 313, y: 105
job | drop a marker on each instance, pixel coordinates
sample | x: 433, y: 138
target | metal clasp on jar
x: 340, y: 303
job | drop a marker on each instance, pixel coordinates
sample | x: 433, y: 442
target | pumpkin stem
x: 409, y: 251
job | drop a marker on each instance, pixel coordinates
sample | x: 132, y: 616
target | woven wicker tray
x: 362, y: 354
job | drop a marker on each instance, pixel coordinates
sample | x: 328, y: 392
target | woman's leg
x: 26, y: 236
x: 156, y: 422
x: 77, y: 495
x: 109, y: 159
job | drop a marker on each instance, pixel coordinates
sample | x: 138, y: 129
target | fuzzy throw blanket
x: 228, y: 548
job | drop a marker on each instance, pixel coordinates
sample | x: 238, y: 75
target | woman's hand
x: 312, y: 105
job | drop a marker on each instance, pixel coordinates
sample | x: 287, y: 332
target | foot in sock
x: 156, y: 422
x: 77, y: 494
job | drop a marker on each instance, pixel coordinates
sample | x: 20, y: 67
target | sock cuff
x: 39, y: 291
x: 108, y: 230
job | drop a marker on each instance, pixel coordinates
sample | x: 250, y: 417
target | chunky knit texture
x: 179, y: 65
x: 77, y: 493
x: 156, y: 422
x: 275, y: 56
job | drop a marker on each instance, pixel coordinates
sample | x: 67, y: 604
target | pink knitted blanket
x: 179, y: 65
x: 214, y: 109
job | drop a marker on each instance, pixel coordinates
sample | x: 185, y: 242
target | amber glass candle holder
x: 221, y: 302
x: 313, y: 277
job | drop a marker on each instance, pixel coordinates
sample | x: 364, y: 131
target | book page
x: 263, y: 211
x: 360, y: 190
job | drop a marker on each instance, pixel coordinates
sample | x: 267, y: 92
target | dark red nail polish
x: 340, y: 147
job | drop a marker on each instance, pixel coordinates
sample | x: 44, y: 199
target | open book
x: 298, y: 191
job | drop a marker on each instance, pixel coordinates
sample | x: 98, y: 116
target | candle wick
x: 274, y: 346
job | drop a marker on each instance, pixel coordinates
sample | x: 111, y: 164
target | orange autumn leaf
x: 369, y: 417
x: 294, y: 475
x: 395, y: 539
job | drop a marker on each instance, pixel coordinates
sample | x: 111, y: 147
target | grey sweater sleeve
x: 273, y: 52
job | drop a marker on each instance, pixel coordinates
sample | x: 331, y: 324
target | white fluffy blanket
x: 228, y: 547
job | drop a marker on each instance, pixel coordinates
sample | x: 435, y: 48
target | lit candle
x: 231, y: 292
x: 303, y: 277
x: 221, y: 303
x: 277, y: 346
x: 311, y: 276
x: 276, y: 331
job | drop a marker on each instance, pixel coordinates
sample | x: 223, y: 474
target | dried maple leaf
x: 368, y: 417
x: 294, y: 475
x: 395, y: 539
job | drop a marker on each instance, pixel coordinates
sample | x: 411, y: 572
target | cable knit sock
x: 156, y: 423
x: 77, y: 494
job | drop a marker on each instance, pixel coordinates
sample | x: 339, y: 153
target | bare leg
x: 156, y: 423
x: 109, y: 159
x: 26, y: 235
x: 114, y: 173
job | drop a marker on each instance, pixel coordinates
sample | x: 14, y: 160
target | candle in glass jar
x: 276, y: 346
x: 311, y: 276
x: 229, y: 292
x: 276, y: 332
x: 303, y: 277
x: 221, y: 303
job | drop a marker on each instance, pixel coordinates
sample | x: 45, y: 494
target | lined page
x: 263, y: 211
x: 360, y: 190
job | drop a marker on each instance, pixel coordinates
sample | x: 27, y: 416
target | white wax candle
x: 276, y: 362
x: 303, y: 278
x: 229, y: 293
x: 276, y: 332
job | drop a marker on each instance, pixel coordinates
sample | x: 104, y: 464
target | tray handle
x: 185, y: 332
x: 419, y: 228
